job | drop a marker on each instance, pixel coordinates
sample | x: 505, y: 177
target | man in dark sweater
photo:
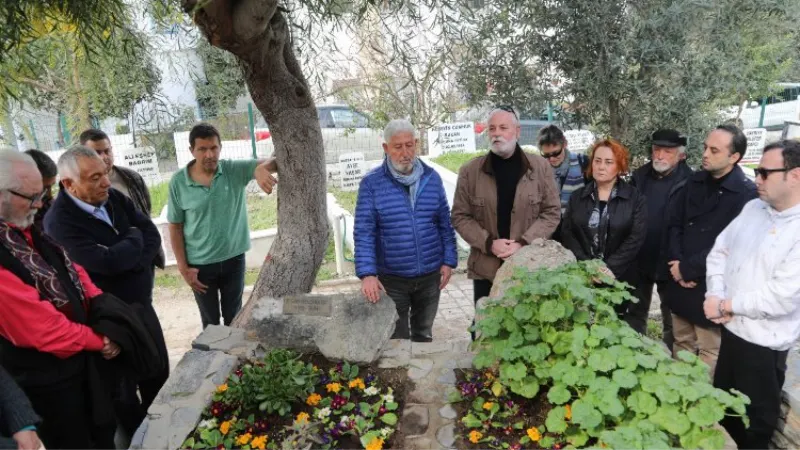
x: 118, y: 245
x: 658, y: 180
x: 17, y: 417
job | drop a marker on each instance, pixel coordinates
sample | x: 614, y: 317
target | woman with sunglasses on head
x: 606, y: 219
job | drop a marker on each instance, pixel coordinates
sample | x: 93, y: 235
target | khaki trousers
x: 697, y: 340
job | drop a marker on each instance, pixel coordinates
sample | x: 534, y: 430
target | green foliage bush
x: 557, y: 329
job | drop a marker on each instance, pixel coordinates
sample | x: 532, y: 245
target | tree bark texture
x: 257, y: 33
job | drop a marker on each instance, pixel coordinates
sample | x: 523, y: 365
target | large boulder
x: 340, y: 326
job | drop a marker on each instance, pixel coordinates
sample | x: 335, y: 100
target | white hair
x: 10, y: 160
x: 681, y: 150
x: 398, y: 126
x: 514, y: 115
x: 68, y: 162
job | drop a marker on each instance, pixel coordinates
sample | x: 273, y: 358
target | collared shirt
x: 97, y: 211
x: 214, y: 218
x: 755, y: 263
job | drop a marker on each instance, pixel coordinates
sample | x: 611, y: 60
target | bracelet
x: 721, y: 308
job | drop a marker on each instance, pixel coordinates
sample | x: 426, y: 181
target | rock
x: 355, y: 331
x: 418, y: 443
x: 397, y: 353
x: 430, y: 348
x: 415, y: 420
x: 226, y: 339
x: 448, y: 377
x: 423, y: 394
x: 540, y: 253
x: 419, y: 368
x: 448, y: 412
x: 446, y: 435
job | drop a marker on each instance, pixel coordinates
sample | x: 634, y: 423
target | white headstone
x: 142, y: 160
x: 451, y: 137
x: 351, y: 168
x: 756, y: 141
x: 578, y: 141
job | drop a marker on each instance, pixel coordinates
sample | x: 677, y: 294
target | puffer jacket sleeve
x: 446, y: 231
x: 365, y: 231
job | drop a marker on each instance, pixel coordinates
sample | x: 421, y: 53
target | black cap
x: 668, y: 138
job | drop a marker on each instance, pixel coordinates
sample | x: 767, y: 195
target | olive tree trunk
x: 257, y: 33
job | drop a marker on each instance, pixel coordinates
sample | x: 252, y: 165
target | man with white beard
x: 503, y: 200
x: 658, y: 180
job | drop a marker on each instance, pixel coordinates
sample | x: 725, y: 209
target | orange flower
x: 302, y: 417
x: 260, y: 442
x: 488, y: 405
x: 475, y: 436
x: 313, y: 399
x: 225, y: 427
x: 568, y: 414
x: 222, y: 388
x: 333, y: 387
x: 534, y: 434
x: 489, y: 376
x: 357, y: 383
x: 375, y: 444
x: 244, y: 439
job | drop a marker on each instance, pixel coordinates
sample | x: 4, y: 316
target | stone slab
x: 226, y: 339
x: 415, y: 420
x: 430, y: 348
x: 419, y: 368
x: 448, y: 376
x: 446, y: 435
x: 447, y: 412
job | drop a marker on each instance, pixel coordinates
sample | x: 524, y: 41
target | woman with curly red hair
x: 606, y: 219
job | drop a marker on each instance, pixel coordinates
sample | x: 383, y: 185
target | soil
x: 532, y: 411
x: 397, y: 379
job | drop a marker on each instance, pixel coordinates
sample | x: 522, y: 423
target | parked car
x: 345, y: 130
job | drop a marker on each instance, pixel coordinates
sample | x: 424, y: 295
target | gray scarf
x: 411, y: 180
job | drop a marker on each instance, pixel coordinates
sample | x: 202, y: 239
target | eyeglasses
x: 33, y: 198
x: 507, y: 108
x: 764, y: 173
x: 554, y: 154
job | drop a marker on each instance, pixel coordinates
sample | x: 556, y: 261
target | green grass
x: 453, y: 161
x: 172, y: 279
x: 654, y: 330
x: 158, y: 197
x: 262, y: 212
x: 346, y: 199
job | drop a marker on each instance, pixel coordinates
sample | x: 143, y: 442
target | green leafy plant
x: 557, y: 330
x: 271, y: 385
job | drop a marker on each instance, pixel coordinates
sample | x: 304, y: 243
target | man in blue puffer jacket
x: 405, y: 244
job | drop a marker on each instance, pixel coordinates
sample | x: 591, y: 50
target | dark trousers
x: 225, y: 281
x: 66, y: 416
x: 130, y: 406
x: 480, y: 289
x: 758, y: 372
x: 636, y: 313
x: 416, y: 300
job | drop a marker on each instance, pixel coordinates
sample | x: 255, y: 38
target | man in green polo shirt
x: 208, y: 229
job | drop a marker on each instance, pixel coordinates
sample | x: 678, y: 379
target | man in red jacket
x: 45, y: 343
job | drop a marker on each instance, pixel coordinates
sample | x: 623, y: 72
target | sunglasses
x: 507, y: 108
x: 33, y: 198
x: 764, y: 173
x: 554, y: 154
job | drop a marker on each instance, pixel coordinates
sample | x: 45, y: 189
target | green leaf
x: 551, y: 311
x: 389, y: 418
x: 585, y: 415
x: 601, y: 361
x: 706, y: 412
x: 577, y: 439
x: 642, y: 403
x: 624, y: 378
x: 527, y: 387
x: 523, y: 312
x: 497, y: 389
x: 650, y: 382
x: 601, y: 332
x: 555, y: 421
x: 622, y: 438
x: 690, y: 394
x: 391, y: 406
x: 646, y: 361
x: 513, y: 371
x: 592, y: 341
x: 611, y: 406
x: 547, y: 442
x: 670, y: 418
x: 667, y: 394
x: 470, y: 421
x: 559, y: 394
x: 353, y: 371
x: 632, y: 342
x: 348, y: 407
x: 580, y: 316
x: 709, y: 438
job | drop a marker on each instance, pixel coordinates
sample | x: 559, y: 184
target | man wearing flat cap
x: 658, y: 180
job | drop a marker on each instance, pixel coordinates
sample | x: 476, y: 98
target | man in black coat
x: 118, y: 245
x: 659, y: 180
x: 711, y: 199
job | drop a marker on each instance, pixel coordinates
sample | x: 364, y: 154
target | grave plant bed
x: 288, y: 400
x: 556, y: 368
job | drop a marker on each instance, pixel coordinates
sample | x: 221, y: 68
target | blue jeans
x: 416, y: 300
x: 225, y: 281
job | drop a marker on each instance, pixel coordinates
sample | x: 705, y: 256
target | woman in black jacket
x: 606, y: 219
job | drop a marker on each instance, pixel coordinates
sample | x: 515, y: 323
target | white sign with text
x: 578, y: 141
x: 451, y: 137
x: 142, y: 160
x: 351, y: 169
x: 756, y: 141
